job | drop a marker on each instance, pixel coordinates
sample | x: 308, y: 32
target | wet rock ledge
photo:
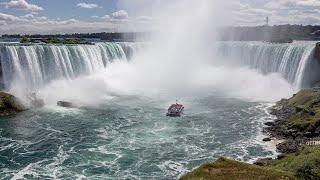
x: 9, y: 105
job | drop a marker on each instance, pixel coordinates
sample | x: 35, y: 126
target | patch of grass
x: 306, y: 114
x: 302, y: 97
x: 304, y: 164
x: 228, y: 169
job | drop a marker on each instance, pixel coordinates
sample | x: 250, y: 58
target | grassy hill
x: 228, y: 169
x: 304, y: 164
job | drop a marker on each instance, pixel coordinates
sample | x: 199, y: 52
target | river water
x: 129, y: 137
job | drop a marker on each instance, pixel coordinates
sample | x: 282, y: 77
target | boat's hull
x: 173, y: 115
x: 176, y: 113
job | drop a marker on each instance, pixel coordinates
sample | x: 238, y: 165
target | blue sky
x: 65, y: 16
x: 66, y: 9
x: 63, y: 8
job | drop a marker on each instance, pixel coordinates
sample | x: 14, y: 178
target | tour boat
x: 175, y: 110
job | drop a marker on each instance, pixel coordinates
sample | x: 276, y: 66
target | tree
x: 25, y: 39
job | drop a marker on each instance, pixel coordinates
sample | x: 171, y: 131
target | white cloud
x: 8, y: 17
x: 33, y: 24
x: 122, y: 14
x: 145, y: 18
x: 312, y: 3
x: 291, y: 4
x: 87, y: 5
x: 106, y: 18
x: 22, y: 4
x: 28, y: 16
x: 280, y: 4
x: 116, y: 17
x: 247, y: 13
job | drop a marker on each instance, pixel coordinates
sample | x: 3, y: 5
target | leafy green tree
x: 25, y: 39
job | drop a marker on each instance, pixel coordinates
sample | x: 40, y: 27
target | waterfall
x: 289, y: 60
x: 39, y: 64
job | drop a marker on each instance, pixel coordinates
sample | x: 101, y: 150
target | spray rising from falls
x: 125, y: 66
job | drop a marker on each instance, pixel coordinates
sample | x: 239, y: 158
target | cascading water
x: 37, y: 65
x: 290, y: 60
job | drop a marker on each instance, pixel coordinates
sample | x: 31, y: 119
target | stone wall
x: 317, y: 51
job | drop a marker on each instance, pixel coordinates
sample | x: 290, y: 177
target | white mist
x: 178, y: 61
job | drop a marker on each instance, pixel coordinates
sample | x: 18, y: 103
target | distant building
x: 267, y: 21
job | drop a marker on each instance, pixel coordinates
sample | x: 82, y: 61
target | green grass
x: 306, y: 113
x: 304, y: 164
x: 225, y: 169
x: 303, y: 97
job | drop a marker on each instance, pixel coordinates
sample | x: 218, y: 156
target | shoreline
x: 268, y: 145
x: 296, y: 120
x: 294, y: 133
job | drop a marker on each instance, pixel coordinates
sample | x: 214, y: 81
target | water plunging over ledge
x: 39, y: 64
x: 295, y: 61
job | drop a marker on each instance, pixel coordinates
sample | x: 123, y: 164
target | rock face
x: 9, y: 105
x: 269, y: 124
x: 263, y: 162
x: 65, y: 104
x: 281, y: 156
x: 297, y: 117
x: 317, y: 52
x: 266, y: 139
x: 289, y: 146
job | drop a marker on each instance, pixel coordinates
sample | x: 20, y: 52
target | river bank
x: 297, y: 127
x: 297, y: 120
